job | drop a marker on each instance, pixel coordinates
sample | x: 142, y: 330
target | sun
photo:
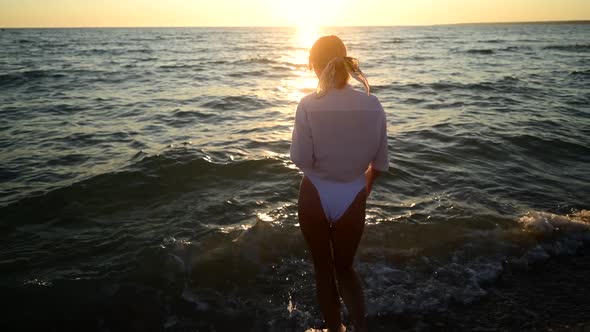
x: 307, y: 35
x: 309, y: 18
x: 311, y: 14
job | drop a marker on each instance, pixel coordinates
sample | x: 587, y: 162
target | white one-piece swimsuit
x: 335, y: 138
x: 336, y: 197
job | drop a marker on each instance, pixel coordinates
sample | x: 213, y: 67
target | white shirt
x: 337, y: 136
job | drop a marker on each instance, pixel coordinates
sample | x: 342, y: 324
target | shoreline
x: 553, y: 295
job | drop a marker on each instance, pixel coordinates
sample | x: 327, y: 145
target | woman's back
x: 338, y: 135
x: 340, y: 144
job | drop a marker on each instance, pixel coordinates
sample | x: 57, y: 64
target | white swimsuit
x: 336, y: 197
x: 335, y: 138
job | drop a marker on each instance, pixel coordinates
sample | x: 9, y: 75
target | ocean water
x: 146, y: 183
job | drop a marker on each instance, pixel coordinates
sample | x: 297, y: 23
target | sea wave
x: 263, y: 268
x: 580, y: 73
x: 175, y: 67
x: 506, y: 83
x: 515, y: 48
x: 267, y: 61
x: 395, y: 41
x: 236, y: 103
x: 176, y: 171
x: 480, y: 51
x: 493, y: 41
x: 429, y: 283
x: 19, y: 78
x: 569, y: 47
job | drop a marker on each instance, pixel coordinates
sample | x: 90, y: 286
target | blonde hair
x: 328, y: 56
x: 323, y: 51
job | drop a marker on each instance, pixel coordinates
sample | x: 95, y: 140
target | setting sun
x: 307, y: 35
x: 310, y: 14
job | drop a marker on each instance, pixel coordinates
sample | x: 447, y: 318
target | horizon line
x: 295, y: 26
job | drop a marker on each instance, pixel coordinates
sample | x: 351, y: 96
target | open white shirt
x: 337, y: 136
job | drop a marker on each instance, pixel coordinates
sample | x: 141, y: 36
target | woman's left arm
x: 381, y: 161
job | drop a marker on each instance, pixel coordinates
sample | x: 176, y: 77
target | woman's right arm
x: 301, y: 141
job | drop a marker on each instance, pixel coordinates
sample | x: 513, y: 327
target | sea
x: 146, y: 183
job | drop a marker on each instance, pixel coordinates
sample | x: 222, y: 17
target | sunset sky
x: 157, y: 13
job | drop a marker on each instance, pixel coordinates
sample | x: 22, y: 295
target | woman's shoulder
x: 350, y: 91
x: 308, y: 98
x: 345, y: 99
x: 370, y: 100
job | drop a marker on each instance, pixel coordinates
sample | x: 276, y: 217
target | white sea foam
x: 462, y: 277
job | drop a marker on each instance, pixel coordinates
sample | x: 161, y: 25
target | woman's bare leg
x: 316, y: 231
x: 346, y: 235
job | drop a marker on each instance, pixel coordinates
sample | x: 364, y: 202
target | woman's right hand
x: 370, y: 175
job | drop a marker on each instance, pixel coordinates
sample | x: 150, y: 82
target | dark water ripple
x: 145, y: 172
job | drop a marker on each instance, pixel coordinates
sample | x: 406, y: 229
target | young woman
x: 340, y: 143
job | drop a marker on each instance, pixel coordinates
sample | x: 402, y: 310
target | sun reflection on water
x: 303, y: 80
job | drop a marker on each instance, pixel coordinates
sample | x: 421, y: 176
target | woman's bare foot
x: 342, y: 329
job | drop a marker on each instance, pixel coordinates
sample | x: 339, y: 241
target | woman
x: 340, y: 143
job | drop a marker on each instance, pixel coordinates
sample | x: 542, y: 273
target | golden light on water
x: 302, y: 81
